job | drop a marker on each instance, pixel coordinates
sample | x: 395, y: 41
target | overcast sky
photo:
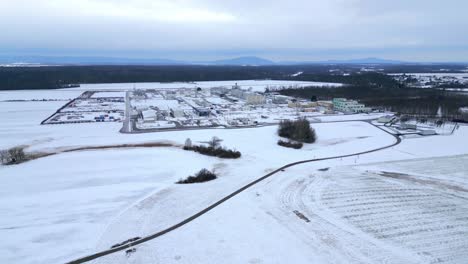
x: 415, y: 30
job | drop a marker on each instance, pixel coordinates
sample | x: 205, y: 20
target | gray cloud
x: 308, y: 29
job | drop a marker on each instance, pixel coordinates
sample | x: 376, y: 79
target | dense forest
x: 372, y: 88
x: 56, y: 77
x: 52, y: 77
x: 14, y: 78
x: 381, y: 91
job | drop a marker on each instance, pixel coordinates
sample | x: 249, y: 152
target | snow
x: 427, y: 80
x: 108, y: 94
x: 436, y: 74
x: 38, y: 95
x: 94, y: 105
x: 166, y: 104
x: 24, y: 64
x: 217, y: 100
x: 157, y: 101
x: 68, y: 205
x: 61, y: 204
x: 350, y: 117
x: 156, y: 124
x: 297, y: 74
x: 356, y: 216
x: 256, y: 85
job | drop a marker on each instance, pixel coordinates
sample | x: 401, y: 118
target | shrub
x: 4, y: 157
x: 216, y: 152
x: 188, y: 143
x: 213, y: 149
x: 290, y: 144
x: 13, y: 156
x: 298, y: 130
x: 201, y: 176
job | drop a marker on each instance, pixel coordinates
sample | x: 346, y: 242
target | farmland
x: 403, y: 203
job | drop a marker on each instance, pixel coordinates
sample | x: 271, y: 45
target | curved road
x: 216, y: 204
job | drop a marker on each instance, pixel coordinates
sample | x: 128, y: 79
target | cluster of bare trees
x: 214, y: 148
x: 12, y: 156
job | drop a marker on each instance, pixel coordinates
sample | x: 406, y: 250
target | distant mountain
x: 251, y: 61
x: 365, y: 61
x: 69, y: 60
x: 52, y: 60
x: 353, y: 61
x: 239, y: 61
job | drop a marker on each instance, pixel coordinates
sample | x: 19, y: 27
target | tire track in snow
x: 301, y: 195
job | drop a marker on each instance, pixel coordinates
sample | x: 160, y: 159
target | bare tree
x: 4, y: 156
x: 16, y: 155
x: 214, y: 142
x: 13, y: 155
x: 188, y: 143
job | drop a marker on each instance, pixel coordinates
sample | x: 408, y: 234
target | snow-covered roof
x: 148, y: 113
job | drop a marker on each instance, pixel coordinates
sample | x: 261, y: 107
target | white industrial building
x: 219, y: 91
x: 349, y: 106
x: 149, y: 115
x: 406, y: 126
x: 280, y: 99
x: 385, y: 119
x: 177, y: 113
x: 238, y: 93
x: 255, y: 99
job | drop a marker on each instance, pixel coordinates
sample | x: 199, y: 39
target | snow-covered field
x: 256, y: 85
x: 431, y: 74
x: 354, y: 214
x: 108, y: 94
x: 39, y: 95
x: 68, y: 205
x: 428, y: 80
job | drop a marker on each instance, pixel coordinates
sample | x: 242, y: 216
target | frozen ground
x: 65, y: 206
x: 38, y: 95
x: 426, y: 74
x: 108, y: 94
x: 351, y: 215
x: 428, y: 80
x: 256, y: 85
x: 338, y: 118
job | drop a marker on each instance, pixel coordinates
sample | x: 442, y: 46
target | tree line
x: 383, y: 92
x: 52, y: 77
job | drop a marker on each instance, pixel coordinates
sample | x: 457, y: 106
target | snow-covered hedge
x: 201, y: 176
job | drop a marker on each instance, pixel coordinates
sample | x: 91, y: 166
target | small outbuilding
x: 405, y: 126
x: 427, y: 132
x: 385, y: 119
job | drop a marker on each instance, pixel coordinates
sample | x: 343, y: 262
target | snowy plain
x: 38, y: 95
x: 256, y: 85
x: 68, y: 205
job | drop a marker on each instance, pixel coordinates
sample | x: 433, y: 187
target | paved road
x: 216, y: 204
x: 132, y: 128
x: 126, y: 126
